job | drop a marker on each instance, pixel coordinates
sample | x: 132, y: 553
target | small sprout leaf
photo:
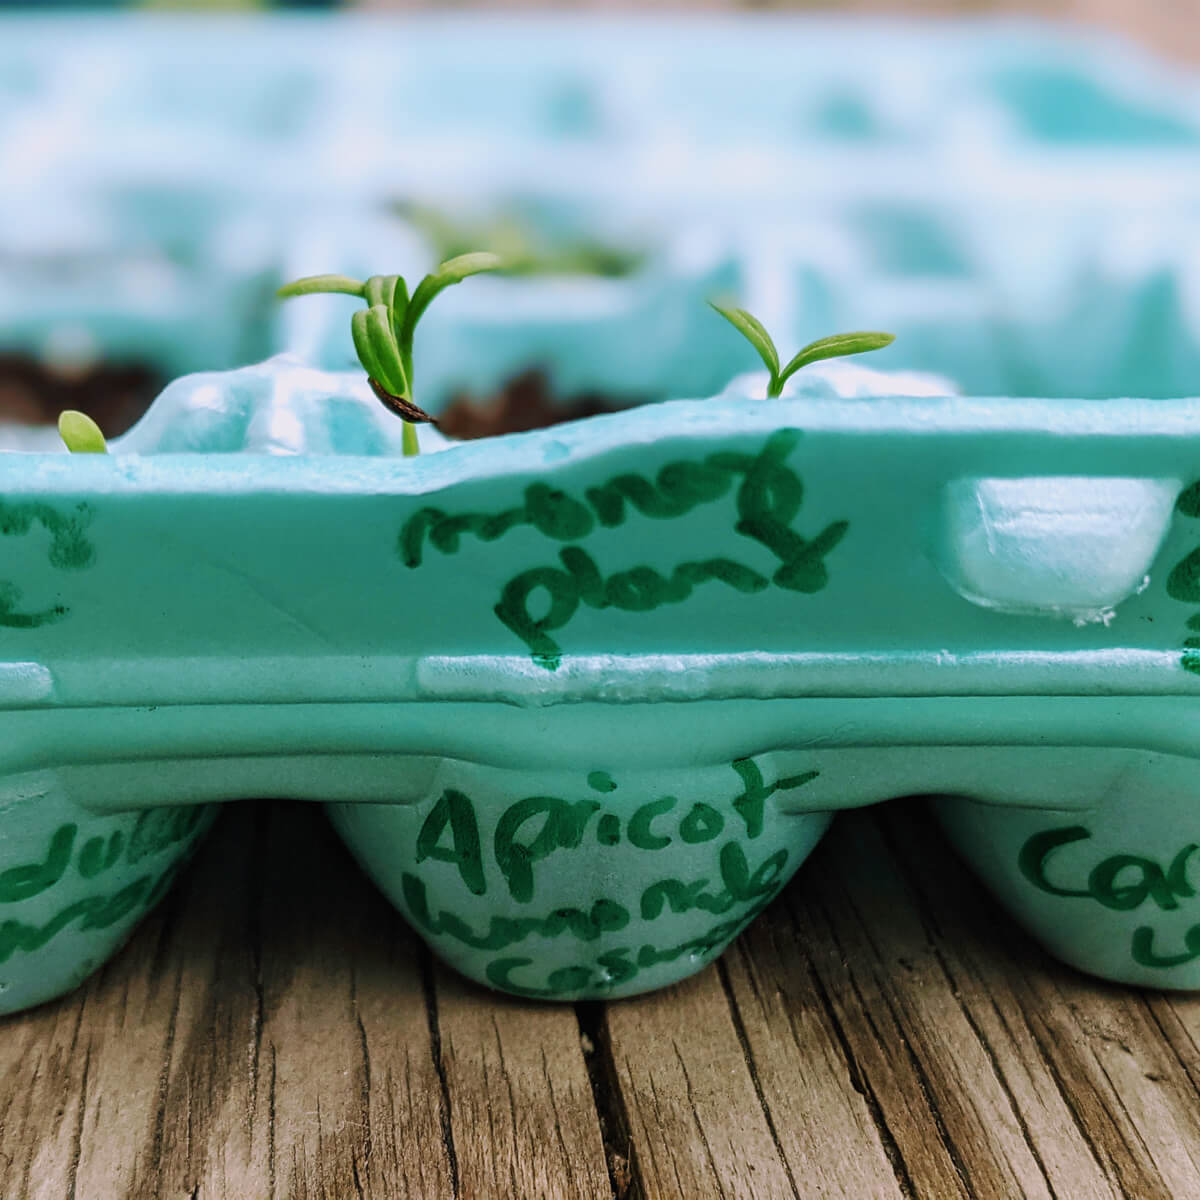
x: 452, y: 271
x: 385, y: 350
x: 397, y: 312
x: 455, y: 270
x: 364, y: 345
x: 839, y: 345
x: 378, y: 289
x: 751, y: 328
x: 313, y: 284
x: 395, y: 296
x: 80, y: 434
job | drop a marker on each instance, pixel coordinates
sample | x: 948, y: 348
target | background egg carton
x: 1017, y: 204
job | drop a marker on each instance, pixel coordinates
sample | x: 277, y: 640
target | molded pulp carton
x: 582, y: 700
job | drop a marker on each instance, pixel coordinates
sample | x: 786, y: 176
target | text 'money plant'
x: 838, y: 345
x: 383, y: 331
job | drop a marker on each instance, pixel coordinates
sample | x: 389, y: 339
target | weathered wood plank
x: 43, y: 1079
x: 1168, y: 27
x: 822, y: 1114
x: 263, y: 1035
x: 1101, y: 1100
x: 960, y: 1080
x: 347, y: 1078
x: 522, y: 1112
x: 696, y: 1122
x: 108, y: 1078
x: 207, y: 1017
x: 1177, y: 1015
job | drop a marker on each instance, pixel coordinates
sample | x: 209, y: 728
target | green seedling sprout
x: 838, y: 345
x: 80, y: 434
x: 383, y: 331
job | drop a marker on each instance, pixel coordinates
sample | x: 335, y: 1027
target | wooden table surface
x: 275, y: 1030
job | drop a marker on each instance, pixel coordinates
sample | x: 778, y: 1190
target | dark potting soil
x: 113, y: 395
x: 525, y: 402
x: 116, y: 395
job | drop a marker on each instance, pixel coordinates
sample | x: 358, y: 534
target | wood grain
x: 943, y: 1091
x: 697, y: 1124
x: 828, y: 1126
x: 263, y: 1035
x: 275, y: 1030
x: 1087, y: 1064
x: 522, y: 1112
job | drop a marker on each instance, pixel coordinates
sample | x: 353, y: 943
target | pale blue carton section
x: 1017, y: 203
x: 583, y: 700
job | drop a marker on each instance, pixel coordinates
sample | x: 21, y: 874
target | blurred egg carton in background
x: 1016, y: 202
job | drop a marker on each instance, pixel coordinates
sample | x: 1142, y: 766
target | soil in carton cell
x: 525, y: 402
x: 114, y: 395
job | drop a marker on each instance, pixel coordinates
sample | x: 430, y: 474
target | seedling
x: 838, y: 345
x: 383, y: 331
x: 80, y: 434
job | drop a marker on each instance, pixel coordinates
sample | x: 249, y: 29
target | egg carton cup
x: 581, y: 701
x: 167, y: 276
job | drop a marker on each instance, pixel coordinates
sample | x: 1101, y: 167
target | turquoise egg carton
x: 1017, y: 202
x: 582, y: 700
